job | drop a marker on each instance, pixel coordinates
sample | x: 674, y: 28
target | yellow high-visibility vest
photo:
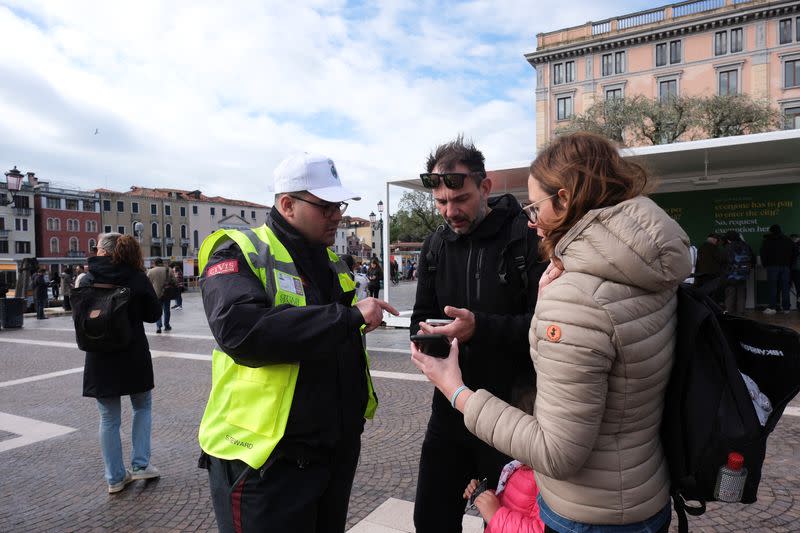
x: 248, y: 408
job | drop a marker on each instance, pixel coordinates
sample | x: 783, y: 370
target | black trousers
x: 290, y: 495
x: 450, y: 458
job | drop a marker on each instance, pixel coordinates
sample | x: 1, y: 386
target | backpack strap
x: 435, y: 249
x: 518, y: 244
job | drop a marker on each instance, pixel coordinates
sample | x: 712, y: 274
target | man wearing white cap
x: 281, y: 433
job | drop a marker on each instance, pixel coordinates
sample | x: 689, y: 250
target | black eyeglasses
x: 328, y: 209
x: 452, y: 180
x: 531, y: 210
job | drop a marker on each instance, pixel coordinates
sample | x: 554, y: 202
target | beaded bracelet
x: 458, y: 391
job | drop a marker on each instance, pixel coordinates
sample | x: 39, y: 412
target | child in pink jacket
x: 513, y: 507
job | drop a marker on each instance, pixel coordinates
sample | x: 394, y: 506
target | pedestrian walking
x: 776, y: 256
x: 176, y: 270
x: 375, y: 276
x: 602, y: 341
x: 39, y: 284
x: 67, y: 280
x: 164, y: 284
x: 108, y: 377
x: 290, y: 391
x: 469, y: 273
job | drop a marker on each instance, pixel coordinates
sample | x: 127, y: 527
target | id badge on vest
x: 290, y: 289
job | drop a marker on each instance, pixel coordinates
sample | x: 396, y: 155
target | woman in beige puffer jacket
x: 602, y: 340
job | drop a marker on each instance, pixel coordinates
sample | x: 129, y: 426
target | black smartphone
x: 435, y: 345
x: 482, y: 486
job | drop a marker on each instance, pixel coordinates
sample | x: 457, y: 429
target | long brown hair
x: 127, y: 252
x: 594, y: 175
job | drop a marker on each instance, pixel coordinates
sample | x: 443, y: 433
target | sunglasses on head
x: 452, y: 180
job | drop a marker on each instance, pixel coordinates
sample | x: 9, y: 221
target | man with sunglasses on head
x: 480, y: 269
x: 290, y: 387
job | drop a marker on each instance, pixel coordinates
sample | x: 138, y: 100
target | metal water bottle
x: 731, y: 478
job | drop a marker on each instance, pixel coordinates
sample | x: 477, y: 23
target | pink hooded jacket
x: 518, y: 510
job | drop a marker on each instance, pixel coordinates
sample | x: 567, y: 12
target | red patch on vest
x: 226, y: 267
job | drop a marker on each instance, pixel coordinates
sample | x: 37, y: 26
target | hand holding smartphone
x: 439, y: 321
x: 435, y: 345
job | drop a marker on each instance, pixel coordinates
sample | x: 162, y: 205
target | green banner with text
x: 748, y: 210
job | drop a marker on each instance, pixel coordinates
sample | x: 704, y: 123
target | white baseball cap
x: 314, y: 173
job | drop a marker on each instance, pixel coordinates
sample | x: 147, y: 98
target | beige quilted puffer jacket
x: 602, y: 341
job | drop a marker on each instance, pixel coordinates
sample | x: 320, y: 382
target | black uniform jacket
x: 497, y: 356
x: 123, y: 373
x: 331, y: 392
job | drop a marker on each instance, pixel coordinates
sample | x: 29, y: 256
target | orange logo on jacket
x: 553, y: 333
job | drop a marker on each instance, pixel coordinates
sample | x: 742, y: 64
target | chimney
x: 32, y: 180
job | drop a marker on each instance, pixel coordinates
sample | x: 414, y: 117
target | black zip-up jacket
x: 331, y: 392
x: 497, y: 356
x: 776, y: 250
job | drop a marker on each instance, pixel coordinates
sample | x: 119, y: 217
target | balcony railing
x: 184, y: 241
x: 22, y: 211
x: 76, y: 253
x: 169, y: 240
x: 640, y: 19
x: 691, y: 8
x: 4, y: 233
x: 155, y: 240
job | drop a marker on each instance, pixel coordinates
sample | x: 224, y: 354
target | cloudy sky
x: 203, y: 95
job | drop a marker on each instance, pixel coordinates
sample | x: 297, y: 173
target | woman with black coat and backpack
x: 108, y: 376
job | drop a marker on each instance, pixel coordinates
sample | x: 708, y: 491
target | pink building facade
x: 696, y: 48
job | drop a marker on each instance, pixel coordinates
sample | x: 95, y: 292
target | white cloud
x: 203, y: 95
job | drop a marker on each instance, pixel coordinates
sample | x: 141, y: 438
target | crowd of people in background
x: 725, y: 262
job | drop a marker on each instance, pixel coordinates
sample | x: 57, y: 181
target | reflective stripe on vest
x: 248, y: 408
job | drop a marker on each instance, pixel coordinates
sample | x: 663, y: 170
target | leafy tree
x: 663, y: 121
x: 415, y: 219
x: 723, y: 116
x: 609, y: 118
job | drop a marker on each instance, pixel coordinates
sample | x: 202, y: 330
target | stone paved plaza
x: 51, y: 471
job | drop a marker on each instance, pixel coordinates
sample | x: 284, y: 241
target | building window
x: 564, y: 106
x: 720, y: 43
x: 791, y: 73
x: 792, y: 117
x: 183, y: 211
x: 569, y: 71
x: 54, y: 203
x: 785, y: 31
x: 89, y: 205
x: 194, y: 239
x: 22, y: 247
x: 194, y: 209
x: 21, y: 224
x: 728, y: 82
x: 675, y: 52
x: 134, y: 207
x: 184, y: 251
x: 661, y: 54
x: 106, y: 229
x: 168, y: 210
x: 558, y: 73
x: 613, y: 94
x: 607, y: 65
x: 212, y: 210
x: 168, y: 231
x: 183, y: 231
x: 619, y: 62
x: 797, y: 29
x: 253, y: 215
x: 106, y: 205
x: 153, y: 209
x: 154, y: 229
x: 224, y: 212
x: 53, y: 245
x: 169, y: 249
x: 91, y: 226
x: 3, y: 247
x: 667, y: 89
x: 241, y: 213
x: 73, y: 244
x: 71, y: 204
x: 121, y: 230
x: 92, y: 244
x: 737, y: 40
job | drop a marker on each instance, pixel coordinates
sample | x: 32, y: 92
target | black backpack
x: 100, y: 314
x: 708, y: 410
x: 741, y: 261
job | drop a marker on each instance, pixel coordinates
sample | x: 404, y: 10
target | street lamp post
x: 14, y: 183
